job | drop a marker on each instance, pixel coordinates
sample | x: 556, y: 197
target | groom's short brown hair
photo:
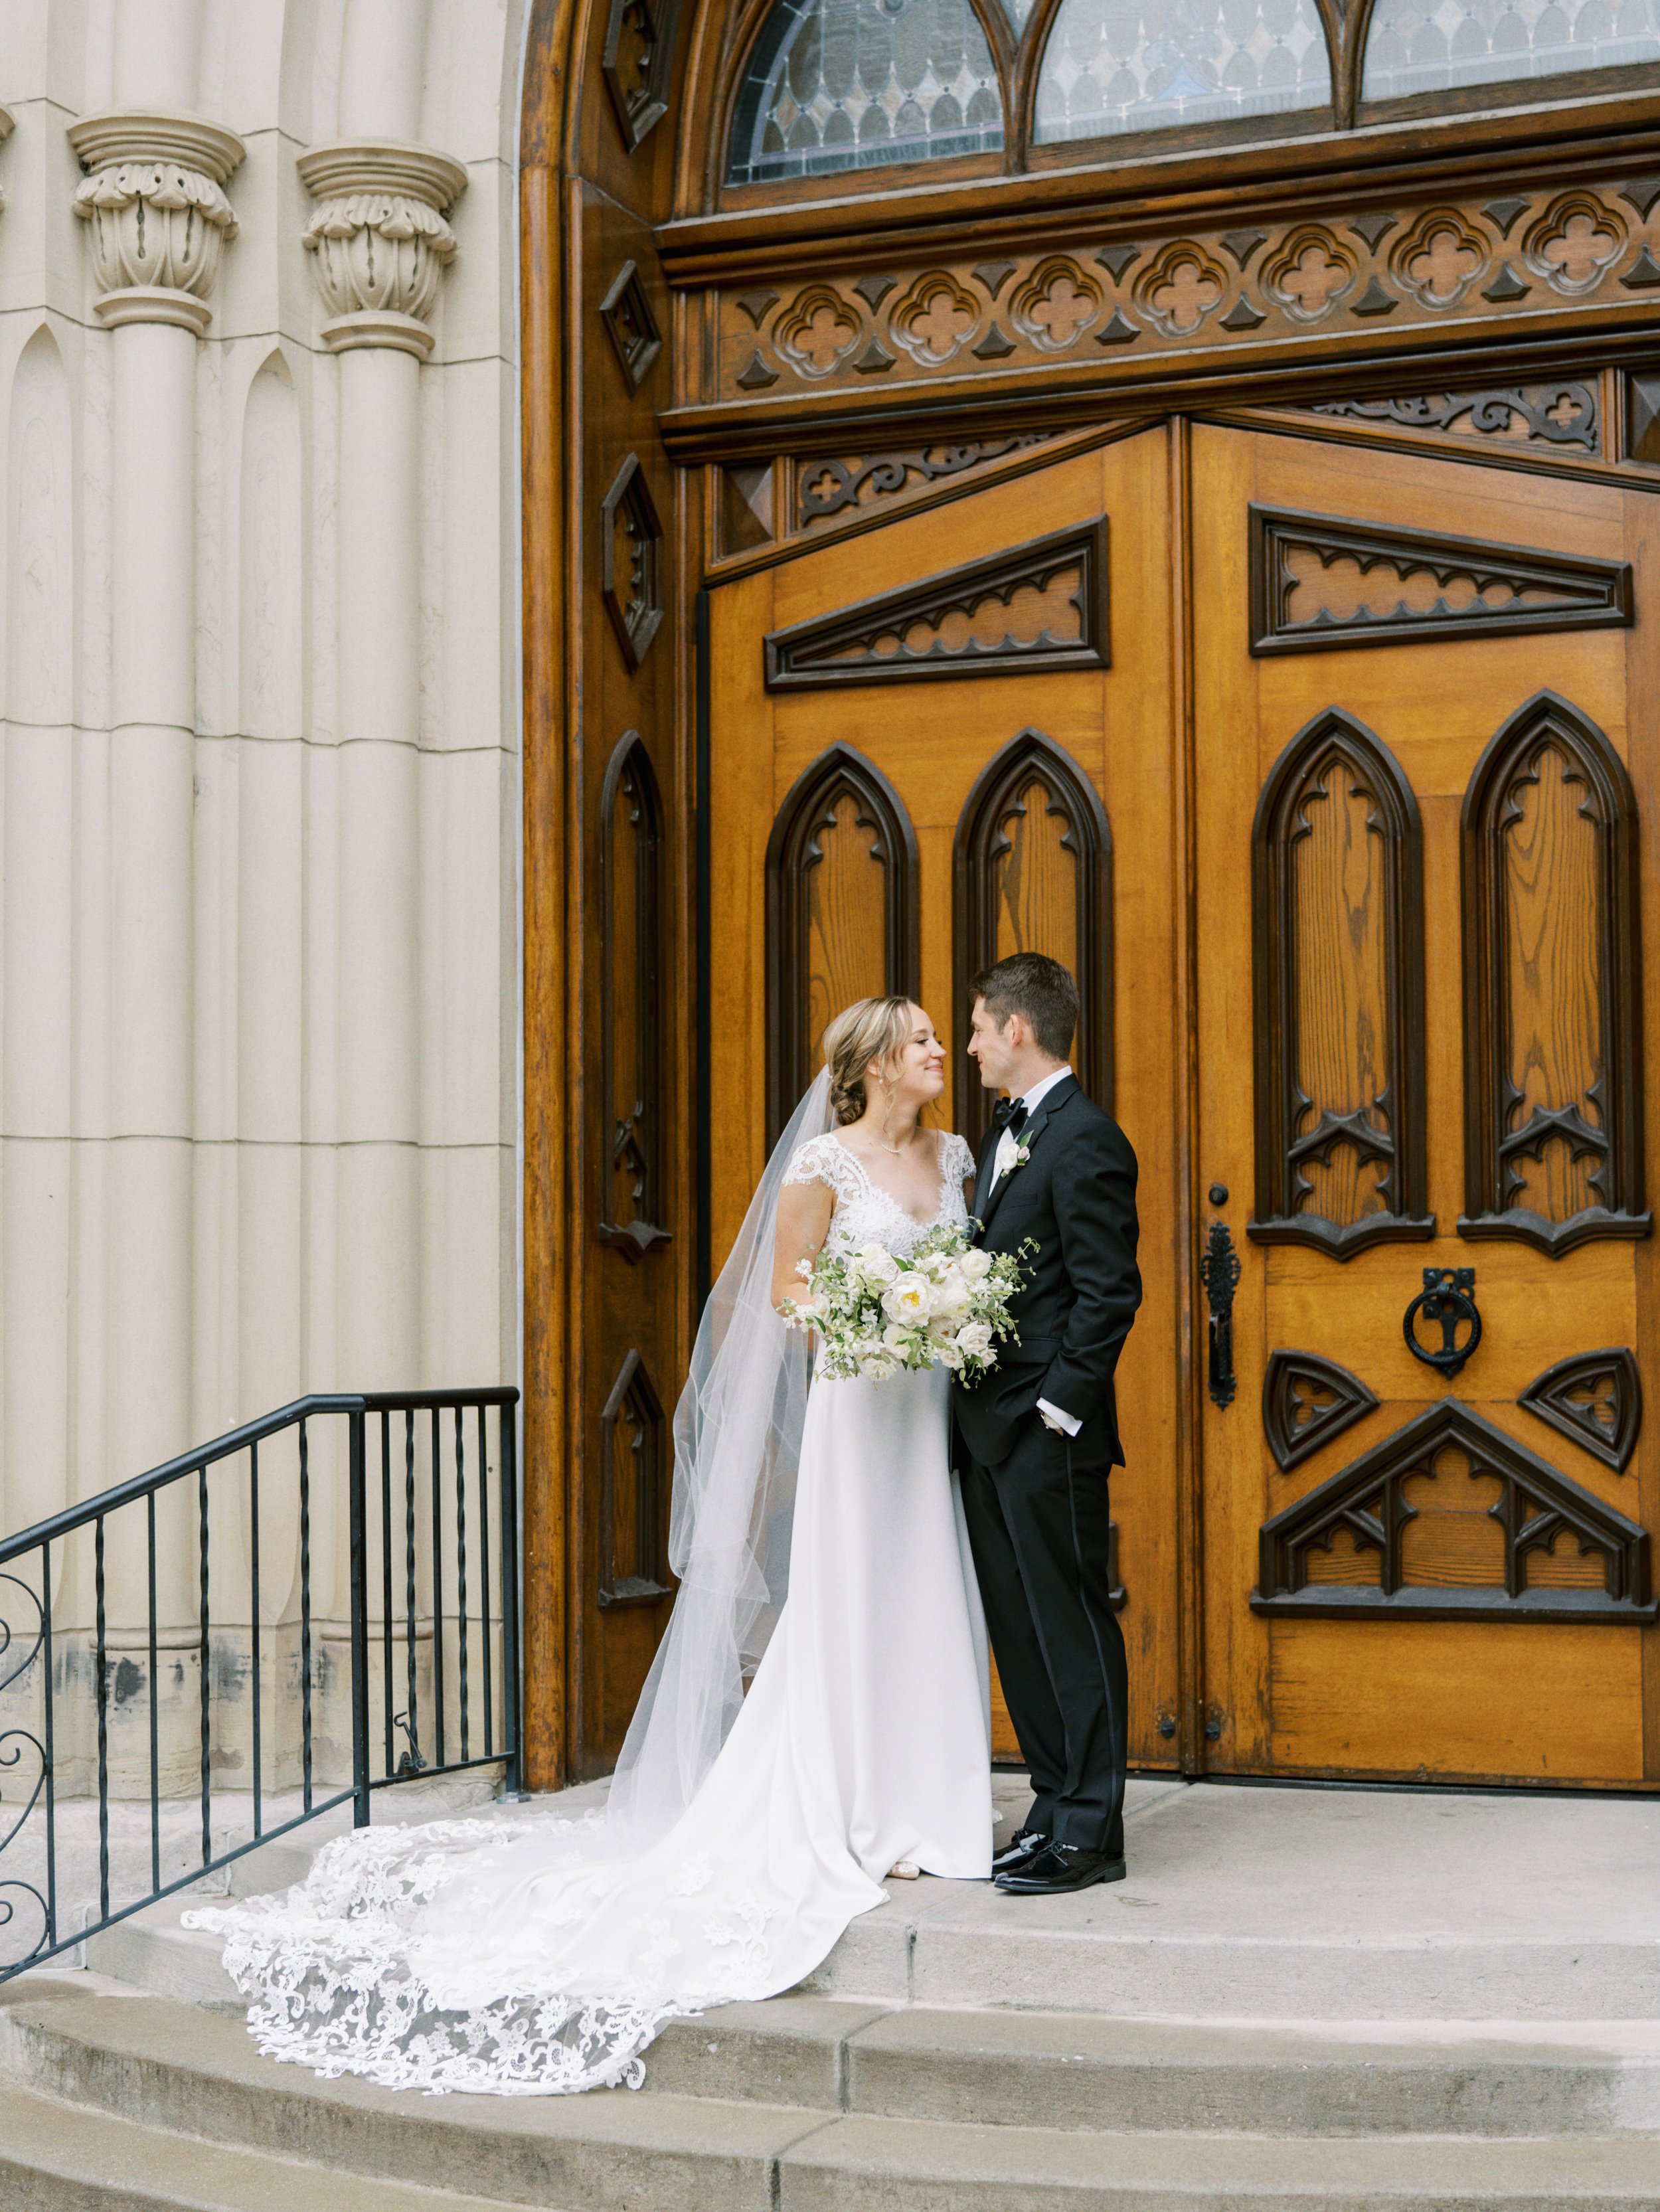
x: 1038, y: 989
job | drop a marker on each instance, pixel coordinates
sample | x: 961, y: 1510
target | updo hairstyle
x: 868, y: 1030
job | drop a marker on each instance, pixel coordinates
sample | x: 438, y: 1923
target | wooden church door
x: 1423, y: 738
x: 947, y: 739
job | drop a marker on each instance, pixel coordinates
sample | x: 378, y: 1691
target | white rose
x: 879, y: 1370
x: 974, y: 1340
x: 896, y: 1337
x: 976, y: 1264
x: 877, y: 1266
x: 953, y: 1300
x: 950, y: 1355
x: 909, y: 1299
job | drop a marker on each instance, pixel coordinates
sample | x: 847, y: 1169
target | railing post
x: 360, y: 1626
x: 512, y: 1699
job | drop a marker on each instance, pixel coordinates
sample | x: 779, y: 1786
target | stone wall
x: 258, y: 651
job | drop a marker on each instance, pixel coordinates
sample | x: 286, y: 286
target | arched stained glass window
x: 847, y: 84
x: 1115, y: 65
x: 1424, y: 46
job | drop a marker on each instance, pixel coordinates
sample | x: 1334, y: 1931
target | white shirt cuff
x: 1065, y: 1422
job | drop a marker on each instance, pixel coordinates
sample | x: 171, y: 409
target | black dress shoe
x: 1019, y: 1850
x: 1060, y: 1868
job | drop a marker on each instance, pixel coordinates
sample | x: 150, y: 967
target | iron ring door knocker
x: 1448, y: 1297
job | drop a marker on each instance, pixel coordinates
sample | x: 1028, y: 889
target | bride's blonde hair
x: 868, y: 1030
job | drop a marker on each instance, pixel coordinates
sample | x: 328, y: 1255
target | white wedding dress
x: 524, y: 1956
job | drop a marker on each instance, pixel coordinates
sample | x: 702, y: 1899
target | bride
x: 818, y: 1530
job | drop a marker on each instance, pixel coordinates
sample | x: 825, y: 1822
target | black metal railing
x: 210, y: 1565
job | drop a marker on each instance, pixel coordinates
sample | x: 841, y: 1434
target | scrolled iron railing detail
x: 92, y: 1748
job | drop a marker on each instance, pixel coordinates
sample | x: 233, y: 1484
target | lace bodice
x: 865, y: 1212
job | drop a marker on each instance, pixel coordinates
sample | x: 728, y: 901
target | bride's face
x: 917, y: 1070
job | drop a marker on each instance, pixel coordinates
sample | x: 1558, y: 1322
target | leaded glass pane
x: 1422, y: 45
x: 1115, y: 66
x: 846, y: 84
x: 1017, y: 12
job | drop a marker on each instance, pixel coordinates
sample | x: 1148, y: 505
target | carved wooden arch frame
x: 1549, y: 719
x: 1279, y: 1098
x: 1028, y: 756
x: 641, y: 1129
x: 791, y: 854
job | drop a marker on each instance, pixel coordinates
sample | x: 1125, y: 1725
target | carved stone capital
x: 379, y: 239
x: 158, y: 219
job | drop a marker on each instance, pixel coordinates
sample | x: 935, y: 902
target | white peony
x: 974, y: 1339
x: 952, y: 1299
x: 976, y: 1264
x: 896, y: 1337
x: 909, y: 1299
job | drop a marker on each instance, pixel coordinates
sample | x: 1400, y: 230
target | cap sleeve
x: 959, y: 1160
x: 821, y: 1159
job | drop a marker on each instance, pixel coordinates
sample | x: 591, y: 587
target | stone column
x: 157, y: 221
x: 380, y: 245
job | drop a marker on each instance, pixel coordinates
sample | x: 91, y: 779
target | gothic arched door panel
x: 1418, y: 1011
x: 931, y: 741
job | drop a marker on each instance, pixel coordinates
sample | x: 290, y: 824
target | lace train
x: 381, y: 1962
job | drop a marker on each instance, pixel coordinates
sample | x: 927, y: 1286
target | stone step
x: 139, y: 2148
x: 1080, y: 2070
x: 57, y: 2158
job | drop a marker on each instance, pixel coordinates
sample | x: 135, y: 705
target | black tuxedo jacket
x: 1076, y: 1196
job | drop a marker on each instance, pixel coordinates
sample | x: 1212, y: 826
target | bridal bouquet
x: 945, y: 1306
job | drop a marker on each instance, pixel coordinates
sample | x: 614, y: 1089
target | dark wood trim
x: 703, y: 955
x: 1591, y: 594
x: 1547, y: 1397
x: 1280, y: 1101
x: 978, y: 842
x: 1290, y: 1444
x: 639, y: 1122
x: 1065, y: 396
x: 1538, y: 1503
x: 798, y: 658
x: 1548, y: 717
x: 631, y: 1395
x: 792, y: 851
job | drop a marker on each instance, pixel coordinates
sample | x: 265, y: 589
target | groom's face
x: 994, y: 1047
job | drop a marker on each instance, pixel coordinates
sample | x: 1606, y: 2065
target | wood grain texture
x: 1381, y: 1697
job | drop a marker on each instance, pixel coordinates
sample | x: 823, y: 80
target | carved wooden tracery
x: 1319, y: 581
x: 1337, y: 919
x: 1596, y: 1397
x: 1553, y: 1050
x: 1043, y: 605
x: 1033, y: 872
x: 1308, y: 1401
x: 634, y: 1491
x: 841, y: 911
x: 631, y: 976
x: 1363, y: 1542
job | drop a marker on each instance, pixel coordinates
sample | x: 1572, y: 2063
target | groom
x: 1039, y: 1434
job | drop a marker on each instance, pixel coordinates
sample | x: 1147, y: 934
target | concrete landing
x: 1282, y: 1904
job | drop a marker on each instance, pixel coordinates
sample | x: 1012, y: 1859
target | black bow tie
x: 1009, y: 1114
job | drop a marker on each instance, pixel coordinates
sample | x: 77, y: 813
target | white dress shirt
x: 1007, y: 1146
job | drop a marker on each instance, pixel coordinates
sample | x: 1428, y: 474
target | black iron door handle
x: 1219, y: 1271
x: 1448, y: 1297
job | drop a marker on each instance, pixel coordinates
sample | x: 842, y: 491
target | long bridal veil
x: 737, y: 1442
x: 532, y: 1954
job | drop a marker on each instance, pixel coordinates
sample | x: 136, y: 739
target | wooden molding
x: 873, y: 640
x: 1610, y: 1435
x: 632, y: 1405
x: 1611, y: 1132
x: 1537, y: 1504
x: 1391, y: 1130
x: 1294, y: 1423
x: 981, y: 839
x: 1513, y: 588
x: 793, y: 851
x: 631, y: 906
